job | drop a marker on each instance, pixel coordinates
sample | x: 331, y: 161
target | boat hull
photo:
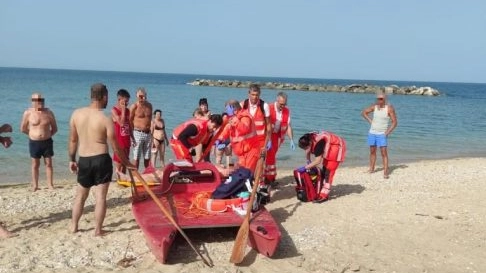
x: 264, y: 233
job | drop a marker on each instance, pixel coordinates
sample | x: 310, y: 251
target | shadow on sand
x: 45, y: 221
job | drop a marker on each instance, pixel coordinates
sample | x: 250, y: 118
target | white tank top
x: 380, y: 121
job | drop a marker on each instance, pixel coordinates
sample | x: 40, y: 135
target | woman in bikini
x: 159, y: 138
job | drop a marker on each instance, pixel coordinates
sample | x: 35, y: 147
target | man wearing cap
x: 40, y: 125
x: 380, y: 129
x: 141, y: 121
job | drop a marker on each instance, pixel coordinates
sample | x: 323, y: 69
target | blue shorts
x: 41, y: 148
x: 379, y: 140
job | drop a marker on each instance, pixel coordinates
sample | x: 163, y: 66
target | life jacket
x: 258, y: 118
x: 308, y: 184
x: 202, y: 131
x: 335, y: 147
x: 284, y: 123
x: 242, y: 141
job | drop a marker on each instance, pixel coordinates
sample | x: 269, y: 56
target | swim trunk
x: 41, y: 148
x: 143, y: 142
x: 379, y: 140
x: 94, y: 170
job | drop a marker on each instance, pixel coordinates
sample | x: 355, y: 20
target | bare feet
x: 51, y: 187
x: 73, y: 229
x: 386, y: 176
x: 370, y: 171
x: 4, y: 234
x: 101, y: 233
x: 34, y: 189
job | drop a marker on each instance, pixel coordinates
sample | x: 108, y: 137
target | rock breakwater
x: 352, y: 88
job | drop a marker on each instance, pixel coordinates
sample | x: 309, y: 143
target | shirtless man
x: 40, y: 125
x: 140, y: 120
x: 89, y: 133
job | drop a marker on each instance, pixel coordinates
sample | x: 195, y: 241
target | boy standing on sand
x: 40, y: 125
x: 380, y: 130
x: 123, y: 132
x: 89, y: 134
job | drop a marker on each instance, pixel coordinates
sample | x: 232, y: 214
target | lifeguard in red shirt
x: 329, y: 150
x: 280, y: 124
x: 242, y: 134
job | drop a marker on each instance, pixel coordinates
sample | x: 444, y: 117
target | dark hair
x: 157, y: 111
x: 254, y: 87
x: 123, y: 93
x: 305, y: 141
x: 98, y: 91
x: 217, y: 119
x: 203, y: 101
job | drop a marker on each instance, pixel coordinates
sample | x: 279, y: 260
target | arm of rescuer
x: 189, y: 131
x: 318, y: 155
x: 268, y: 128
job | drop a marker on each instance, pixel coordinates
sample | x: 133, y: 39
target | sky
x: 408, y: 40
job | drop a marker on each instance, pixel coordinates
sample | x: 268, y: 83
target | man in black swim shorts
x: 89, y: 134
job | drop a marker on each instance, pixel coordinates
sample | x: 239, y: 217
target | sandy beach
x: 430, y: 216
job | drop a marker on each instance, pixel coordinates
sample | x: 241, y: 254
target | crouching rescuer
x: 327, y: 149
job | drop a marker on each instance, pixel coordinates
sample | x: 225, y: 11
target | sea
x: 447, y: 126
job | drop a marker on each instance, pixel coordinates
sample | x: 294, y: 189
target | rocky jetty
x: 352, y: 88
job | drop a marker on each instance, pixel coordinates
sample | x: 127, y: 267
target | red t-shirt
x: 122, y: 132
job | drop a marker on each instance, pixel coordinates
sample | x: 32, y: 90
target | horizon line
x: 251, y: 76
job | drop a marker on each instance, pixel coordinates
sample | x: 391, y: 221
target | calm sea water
x: 451, y: 125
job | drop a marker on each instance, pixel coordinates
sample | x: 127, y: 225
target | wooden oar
x: 169, y: 216
x: 133, y: 185
x: 213, y: 140
x: 242, y: 237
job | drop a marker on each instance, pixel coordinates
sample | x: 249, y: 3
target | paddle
x: 242, y: 237
x: 213, y: 140
x: 169, y: 216
x: 133, y: 186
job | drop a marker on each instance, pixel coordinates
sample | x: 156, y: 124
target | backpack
x: 241, y: 180
x: 308, y: 184
x: 233, y: 185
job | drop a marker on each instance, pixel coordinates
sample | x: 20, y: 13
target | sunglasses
x: 380, y: 98
x: 38, y: 99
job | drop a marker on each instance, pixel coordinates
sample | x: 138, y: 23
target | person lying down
x: 157, y: 175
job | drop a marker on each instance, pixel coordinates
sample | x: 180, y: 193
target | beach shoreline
x: 429, y: 216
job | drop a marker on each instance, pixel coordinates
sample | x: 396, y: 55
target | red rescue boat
x: 180, y: 183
